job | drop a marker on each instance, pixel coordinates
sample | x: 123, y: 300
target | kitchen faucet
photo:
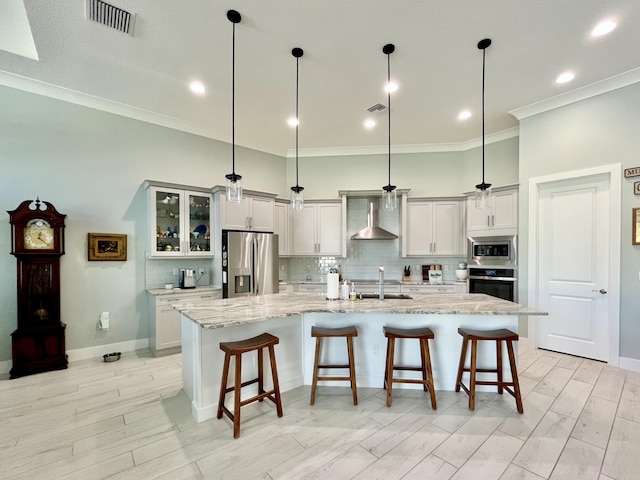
x: 381, y: 282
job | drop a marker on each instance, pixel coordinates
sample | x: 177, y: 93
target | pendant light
x: 389, y: 198
x: 234, y: 181
x: 483, y: 190
x: 297, y: 197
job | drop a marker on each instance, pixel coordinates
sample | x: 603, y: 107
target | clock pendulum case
x: 37, y: 242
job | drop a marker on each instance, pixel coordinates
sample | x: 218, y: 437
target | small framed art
x: 107, y: 247
x: 635, y: 226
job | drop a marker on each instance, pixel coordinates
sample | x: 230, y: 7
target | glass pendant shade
x: 389, y: 198
x: 297, y: 198
x: 234, y: 188
x: 483, y: 196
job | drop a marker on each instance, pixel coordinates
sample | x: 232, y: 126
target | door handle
x: 602, y: 291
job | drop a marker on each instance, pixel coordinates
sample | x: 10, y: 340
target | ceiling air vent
x: 378, y: 107
x: 110, y: 16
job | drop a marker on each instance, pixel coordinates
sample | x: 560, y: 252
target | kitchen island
x: 290, y: 317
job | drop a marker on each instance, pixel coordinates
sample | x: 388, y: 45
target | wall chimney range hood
x: 372, y: 231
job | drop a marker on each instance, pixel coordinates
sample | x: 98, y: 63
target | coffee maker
x: 187, y: 278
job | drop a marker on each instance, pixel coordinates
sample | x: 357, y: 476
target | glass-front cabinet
x: 180, y: 222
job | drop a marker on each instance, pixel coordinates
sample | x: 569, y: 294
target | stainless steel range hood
x: 372, y: 230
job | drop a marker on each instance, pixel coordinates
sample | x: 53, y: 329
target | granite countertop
x: 178, y: 291
x: 237, y: 311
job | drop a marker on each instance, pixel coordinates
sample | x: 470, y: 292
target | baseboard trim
x: 630, y: 364
x: 92, y: 352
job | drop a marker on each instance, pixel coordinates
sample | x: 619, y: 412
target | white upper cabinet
x: 318, y: 229
x: 432, y: 227
x: 500, y: 219
x: 179, y: 221
x: 282, y: 226
x: 254, y: 213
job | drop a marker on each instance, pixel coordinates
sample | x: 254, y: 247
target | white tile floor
x: 130, y: 420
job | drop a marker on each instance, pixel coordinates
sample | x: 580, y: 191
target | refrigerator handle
x: 255, y: 264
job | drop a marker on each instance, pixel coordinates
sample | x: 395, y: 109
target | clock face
x: 38, y: 235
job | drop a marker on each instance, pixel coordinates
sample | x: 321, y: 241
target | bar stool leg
x: 352, y: 370
x: 260, y: 373
x: 386, y: 365
x: 276, y: 384
x: 314, y: 383
x: 472, y: 381
x: 223, y: 386
x: 499, y: 364
x: 429, y: 373
x: 391, y: 342
x: 514, y: 376
x: 463, y: 357
x: 236, y: 397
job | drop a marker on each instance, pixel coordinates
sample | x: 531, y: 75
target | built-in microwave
x: 492, y: 251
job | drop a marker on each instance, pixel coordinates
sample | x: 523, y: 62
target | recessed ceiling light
x: 604, y: 27
x: 565, y: 77
x: 391, y: 87
x: 369, y: 123
x: 197, y: 87
x: 464, y: 114
x: 292, y: 122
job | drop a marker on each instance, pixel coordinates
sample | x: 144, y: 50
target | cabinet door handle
x: 493, y: 220
x: 488, y: 221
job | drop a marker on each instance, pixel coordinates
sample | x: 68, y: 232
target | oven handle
x: 504, y: 279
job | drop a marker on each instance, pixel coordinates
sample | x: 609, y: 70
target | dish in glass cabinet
x: 200, y: 230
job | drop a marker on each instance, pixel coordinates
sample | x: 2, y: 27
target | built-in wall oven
x: 492, y: 264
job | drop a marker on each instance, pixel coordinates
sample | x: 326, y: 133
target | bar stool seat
x: 236, y: 349
x: 498, y: 336
x: 325, y: 332
x: 421, y: 334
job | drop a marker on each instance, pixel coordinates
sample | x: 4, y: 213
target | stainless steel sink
x: 387, y: 296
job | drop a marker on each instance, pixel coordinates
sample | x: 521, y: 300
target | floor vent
x: 378, y: 107
x: 110, y: 16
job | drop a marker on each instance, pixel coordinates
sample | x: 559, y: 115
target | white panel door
x: 303, y: 231
x: 447, y: 238
x: 419, y: 228
x: 573, y: 266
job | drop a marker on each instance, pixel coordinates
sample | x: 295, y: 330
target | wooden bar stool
x: 497, y: 336
x: 422, y: 334
x: 324, y: 332
x: 236, y: 349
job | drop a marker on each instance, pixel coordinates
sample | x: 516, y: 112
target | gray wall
x: 598, y: 131
x: 426, y: 174
x: 91, y: 166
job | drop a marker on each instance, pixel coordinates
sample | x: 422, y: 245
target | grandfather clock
x: 37, y: 242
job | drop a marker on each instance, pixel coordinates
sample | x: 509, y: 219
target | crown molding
x: 607, y: 85
x: 417, y: 148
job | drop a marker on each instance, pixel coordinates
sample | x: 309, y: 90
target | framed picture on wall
x: 635, y: 226
x: 107, y: 247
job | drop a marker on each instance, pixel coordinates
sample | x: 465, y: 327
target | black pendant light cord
x: 483, y: 45
x: 234, y: 17
x: 297, y: 52
x: 388, y: 50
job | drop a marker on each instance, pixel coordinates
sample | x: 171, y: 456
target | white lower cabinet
x: 165, y: 331
x: 369, y: 288
x: 287, y: 288
x: 312, y: 288
x: 458, y: 287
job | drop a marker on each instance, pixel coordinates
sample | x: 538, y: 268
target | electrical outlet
x: 201, y: 271
x: 375, y: 350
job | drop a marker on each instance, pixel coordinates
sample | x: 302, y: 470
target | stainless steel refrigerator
x: 249, y: 263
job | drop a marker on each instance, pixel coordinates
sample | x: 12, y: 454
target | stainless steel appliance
x: 187, y: 278
x: 249, y: 263
x: 493, y: 266
x: 497, y: 282
x: 492, y: 251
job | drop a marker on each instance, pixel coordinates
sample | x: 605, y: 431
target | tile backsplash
x: 364, y: 256
x: 160, y: 271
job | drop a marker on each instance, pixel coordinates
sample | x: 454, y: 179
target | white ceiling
x: 342, y: 72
